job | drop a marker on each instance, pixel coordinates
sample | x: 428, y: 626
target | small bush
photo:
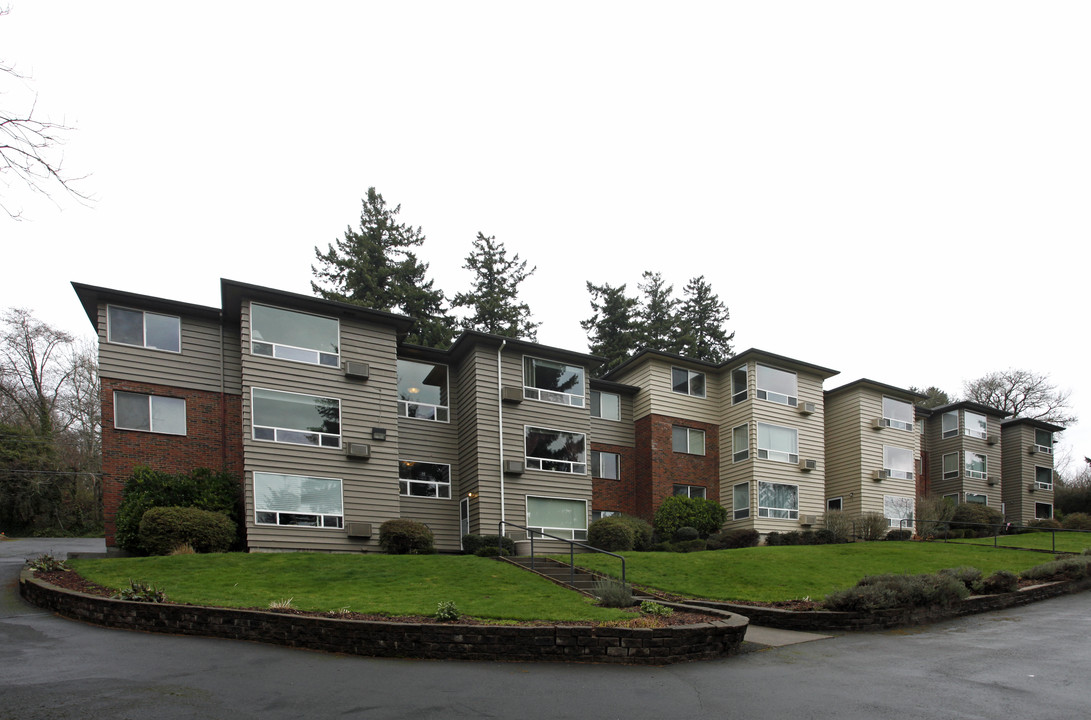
x: 663, y: 547
x: 685, y: 534
x: 881, y: 592
x: 650, y: 607
x: 899, y: 534
x: 285, y: 604
x: 471, y: 543
x: 808, y: 537
x: 47, y: 563
x: 774, y: 538
x: 642, y: 531
x: 1044, y: 524
x: 447, y: 611
x: 162, y: 529
x: 871, y: 526
x: 406, y: 537
x: 839, y: 523
x: 707, y: 516
x: 141, y: 592
x: 1001, y: 581
x: 731, y: 539
x: 1072, y: 568
x: 611, y: 592
x: 968, y: 576
x: 489, y: 551
x: 978, y: 519
x: 1077, y: 521
x: 825, y: 536
x: 611, y: 534
x: 182, y: 549
x: 688, y: 546
x: 792, y: 538
x: 933, y: 513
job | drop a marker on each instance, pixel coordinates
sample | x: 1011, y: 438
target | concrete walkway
x: 773, y: 637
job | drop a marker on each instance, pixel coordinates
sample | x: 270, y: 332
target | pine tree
x: 658, y: 314
x: 702, y: 321
x: 494, y: 295
x: 611, y: 329
x: 376, y: 267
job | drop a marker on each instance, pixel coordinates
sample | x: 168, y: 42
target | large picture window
x: 778, y: 443
x: 776, y: 385
x: 898, y: 462
x: 297, y: 500
x: 296, y: 418
x: 424, y: 479
x: 606, y: 465
x: 976, y: 466
x: 1043, y: 511
x: 898, y: 414
x: 143, y: 329
x: 1043, y: 439
x: 740, y: 501
x: 605, y: 405
x: 562, y: 517
x: 551, y: 381
x: 688, y: 382
x: 291, y: 335
x: 149, y: 413
x: 687, y: 440
x: 976, y: 425
x: 1043, y: 478
x: 422, y: 391
x: 898, y: 511
x: 778, y: 501
x: 556, y: 450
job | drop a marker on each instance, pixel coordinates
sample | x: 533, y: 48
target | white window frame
x: 1038, y: 483
x: 530, y: 392
x: 600, y: 514
x: 598, y: 463
x: 740, y: 512
x: 277, y: 431
x: 892, y: 473
x: 766, y: 512
x: 576, y: 533
x: 689, y: 491
x: 318, y: 354
x: 336, y: 520
x: 975, y: 474
x: 690, y: 432
x: 950, y: 474
x: 893, y: 422
x: 537, y: 463
x: 1047, y: 449
x: 967, y: 415
x: 896, y: 522
x: 1048, y: 505
x: 948, y: 432
x: 691, y: 375
x: 744, y: 454
x: 440, y: 413
x: 600, y: 395
x: 144, y: 329
x: 442, y: 489
x: 840, y: 500
x: 768, y: 454
x: 953, y: 497
x: 976, y: 495
x: 773, y: 396
x: 737, y: 395
x: 153, y: 400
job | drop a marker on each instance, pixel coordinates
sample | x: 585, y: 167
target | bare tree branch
x: 1023, y: 393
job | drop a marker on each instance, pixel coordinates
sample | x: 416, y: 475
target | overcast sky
x: 897, y: 191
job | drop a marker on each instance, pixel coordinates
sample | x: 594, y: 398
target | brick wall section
x: 213, y: 440
x: 616, y: 495
x: 659, y: 467
x: 651, y: 646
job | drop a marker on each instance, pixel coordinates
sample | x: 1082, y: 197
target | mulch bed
x: 70, y: 580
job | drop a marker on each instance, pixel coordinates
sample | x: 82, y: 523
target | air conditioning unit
x: 511, y: 394
x: 1031, y: 449
x: 878, y: 475
x: 991, y: 439
x: 878, y: 423
x: 808, y: 465
x: 807, y: 408
x: 1032, y: 487
x: 513, y: 467
x: 360, y: 451
x: 807, y: 520
x: 357, y: 370
x: 358, y: 529
x: 991, y: 480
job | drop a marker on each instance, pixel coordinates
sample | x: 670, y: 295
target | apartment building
x: 962, y: 444
x: 1027, y: 467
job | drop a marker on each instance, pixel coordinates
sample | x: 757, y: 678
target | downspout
x: 500, y: 416
x: 223, y: 400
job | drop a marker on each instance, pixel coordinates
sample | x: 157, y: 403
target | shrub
x: 285, y: 604
x: 1001, y: 581
x: 933, y: 513
x: 1072, y: 568
x: 47, y: 563
x: 774, y: 538
x: 447, y: 611
x: 486, y: 551
x: 663, y: 547
x: 650, y: 607
x: 642, y: 531
x: 731, y: 539
x: 685, y: 534
x: 825, y: 536
x: 612, y: 592
x: 807, y: 537
x: 611, y: 534
x: 162, y: 529
x: 899, y: 534
x: 968, y: 576
x: 202, y: 488
x: 687, y: 546
x: 1076, y: 521
x: 791, y: 538
x: 1044, y: 524
x: 141, y: 592
x: 471, y: 543
x: 183, y: 549
x: 871, y: 526
x: 677, y: 511
x: 977, y: 518
x: 838, y: 523
x: 880, y: 592
x: 405, y: 537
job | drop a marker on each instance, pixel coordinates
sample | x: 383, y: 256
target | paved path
x: 1024, y: 663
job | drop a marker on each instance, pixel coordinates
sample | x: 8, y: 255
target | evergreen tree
x: 702, y: 321
x: 658, y: 314
x: 376, y: 267
x: 611, y: 329
x: 494, y: 295
x: 934, y: 397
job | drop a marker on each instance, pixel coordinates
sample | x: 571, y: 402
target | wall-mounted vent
x: 808, y: 465
x: 807, y: 408
x: 360, y: 451
x: 513, y: 467
x: 511, y: 394
x: 358, y: 529
x: 357, y: 370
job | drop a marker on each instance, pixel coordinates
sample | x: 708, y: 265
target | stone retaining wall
x: 823, y: 620
x: 448, y: 641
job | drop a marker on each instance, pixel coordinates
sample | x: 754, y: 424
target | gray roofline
x: 91, y: 295
x: 744, y: 356
x: 232, y: 292
x: 612, y: 386
x: 468, y: 338
x: 876, y: 385
x: 1033, y: 422
x: 971, y: 405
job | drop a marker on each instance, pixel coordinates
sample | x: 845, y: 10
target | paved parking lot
x: 1024, y: 663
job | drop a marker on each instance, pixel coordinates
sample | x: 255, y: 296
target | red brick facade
x: 615, y: 495
x: 213, y: 440
x: 659, y: 468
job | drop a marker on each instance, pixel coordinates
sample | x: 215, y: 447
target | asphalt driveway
x: 1028, y: 662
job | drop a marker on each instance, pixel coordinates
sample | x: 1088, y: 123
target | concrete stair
x: 558, y: 572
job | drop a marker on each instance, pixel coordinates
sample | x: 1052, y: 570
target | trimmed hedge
x: 976, y: 518
x: 201, y: 488
x: 1076, y: 521
x: 731, y: 539
x: 677, y: 511
x: 162, y: 529
x: 611, y: 535
x: 406, y: 537
x: 881, y: 592
x: 472, y: 543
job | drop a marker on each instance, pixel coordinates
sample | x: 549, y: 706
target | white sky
x: 895, y: 190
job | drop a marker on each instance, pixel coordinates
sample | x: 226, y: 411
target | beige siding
x: 198, y: 366
x: 478, y: 437
x: 844, y: 463
x: 616, y: 432
x: 1019, y: 467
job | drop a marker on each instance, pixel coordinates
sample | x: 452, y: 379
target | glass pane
x: 424, y: 471
x: 679, y: 380
x: 898, y: 459
x: 697, y: 442
x: 422, y: 383
x: 777, y: 439
x: 697, y: 384
x: 950, y: 463
x: 740, y: 496
x: 162, y: 332
x: 297, y: 494
x: 609, y: 406
x: 126, y: 326
x: 1043, y: 438
x: 950, y: 422
x: 555, y: 445
x: 554, y: 376
x: 976, y: 424
x: 556, y: 513
x: 898, y: 410
x: 131, y: 411
x: 774, y: 380
x: 286, y: 327
x: 738, y: 385
x: 596, y: 403
x: 679, y: 439
x: 740, y: 442
x: 169, y: 415
x: 898, y: 508
x: 611, y: 466
x: 1043, y: 475
x: 297, y: 412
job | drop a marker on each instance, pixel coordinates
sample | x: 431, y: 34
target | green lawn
x: 1069, y: 541
x: 788, y: 573
x: 387, y: 584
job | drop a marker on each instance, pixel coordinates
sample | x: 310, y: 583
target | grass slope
x: 386, y: 584
x: 1067, y: 541
x: 769, y: 574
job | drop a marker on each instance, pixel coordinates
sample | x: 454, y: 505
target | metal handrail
x: 571, y: 548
